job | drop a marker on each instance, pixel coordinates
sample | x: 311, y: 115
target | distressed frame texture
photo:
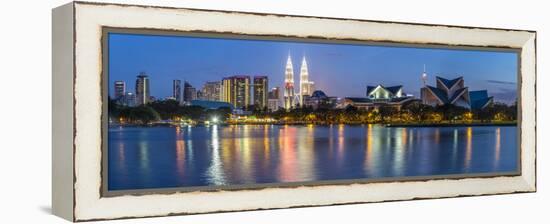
x: 77, y: 145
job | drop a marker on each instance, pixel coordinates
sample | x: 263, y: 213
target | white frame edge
x: 89, y: 19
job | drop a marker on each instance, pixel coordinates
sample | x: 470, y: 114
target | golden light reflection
x: 370, y: 161
x: 404, y: 138
x: 341, y: 139
x: 267, y: 145
x: 305, y: 154
x: 246, y: 156
x: 180, y: 156
x: 437, y: 136
x: 287, y: 163
x: 230, y: 151
x: 468, y: 148
x: 369, y: 138
x: 180, y: 152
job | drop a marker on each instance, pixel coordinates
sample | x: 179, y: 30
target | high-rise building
x: 236, y: 90
x: 306, y: 86
x: 274, y: 99
x: 129, y: 100
x: 260, y: 91
x: 289, y: 84
x: 274, y: 93
x: 142, y: 89
x: 189, y: 93
x: 176, y: 91
x: 200, y: 95
x: 120, y: 89
x: 211, y: 91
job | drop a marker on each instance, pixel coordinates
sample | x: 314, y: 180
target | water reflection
x: 215, y: 172
x: 224, y: 155
x: 287, y: 161
x: 180, y: 153
x: 468, y: 148
x: 497, y: 147
x: 371, y: 162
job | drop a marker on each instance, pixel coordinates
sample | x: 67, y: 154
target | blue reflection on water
x: 160, y: 157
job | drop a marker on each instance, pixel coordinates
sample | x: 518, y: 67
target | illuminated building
x: 176, y: 90
x: 379, y: 96
x: 453, y: 91
x: 236, y: 90
x: 212, y: 91
x: 260, y: 91
x: 318, y: 99
x: 274, y: 99
x: 274, y: 93
x: 381, y: 93
x: 129, y: 99
x: 306, y: 86
x: 142, y: 89
x: 288, y: 97
x: 120, y: 89
x: 189, y: 92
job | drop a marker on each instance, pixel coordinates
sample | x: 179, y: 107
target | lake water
x: 165, y: 157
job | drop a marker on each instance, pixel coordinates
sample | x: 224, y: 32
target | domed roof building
x: 319, y: 94
x: 319, y: 99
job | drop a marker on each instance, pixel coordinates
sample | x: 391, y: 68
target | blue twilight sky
x: 337, y: 69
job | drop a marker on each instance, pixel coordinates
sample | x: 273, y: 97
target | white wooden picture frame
x: 78, y: 107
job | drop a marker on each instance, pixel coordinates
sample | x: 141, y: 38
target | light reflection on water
x: 159, y: 157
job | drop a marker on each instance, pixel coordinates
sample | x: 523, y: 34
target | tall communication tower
x: 424, y: 76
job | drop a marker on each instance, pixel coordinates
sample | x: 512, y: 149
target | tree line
x: 413, y: 112
x: 163, y: 110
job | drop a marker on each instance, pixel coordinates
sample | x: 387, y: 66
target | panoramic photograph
x: 215, y: 112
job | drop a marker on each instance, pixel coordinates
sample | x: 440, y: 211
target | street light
x: 214, y: 119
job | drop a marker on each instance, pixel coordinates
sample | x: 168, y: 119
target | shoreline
x: 452, y: 125
x: 396, y: 125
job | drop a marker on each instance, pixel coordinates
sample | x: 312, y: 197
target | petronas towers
x: 306, y: 87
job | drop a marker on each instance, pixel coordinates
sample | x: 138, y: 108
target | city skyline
x: 205, y: 60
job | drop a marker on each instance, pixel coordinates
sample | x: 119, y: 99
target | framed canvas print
x: 168, y: 111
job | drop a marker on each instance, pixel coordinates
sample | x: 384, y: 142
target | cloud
x: 505, y: 95
x: 500, y: 82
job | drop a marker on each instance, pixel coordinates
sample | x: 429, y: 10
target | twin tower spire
x: 291, y: 98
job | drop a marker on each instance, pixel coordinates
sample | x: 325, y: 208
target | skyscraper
x: 189, y: 92
x: 129, y: 100
x: 274, y: 93
x: 306, y: 86
x: 273, y: 101
x: 289, y: 84
x: 120, y: 89
x: 142, y: 89
x: 260, y: 91
x: 212, y: 91
x: 236, y: 90
x: 176, y: 91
